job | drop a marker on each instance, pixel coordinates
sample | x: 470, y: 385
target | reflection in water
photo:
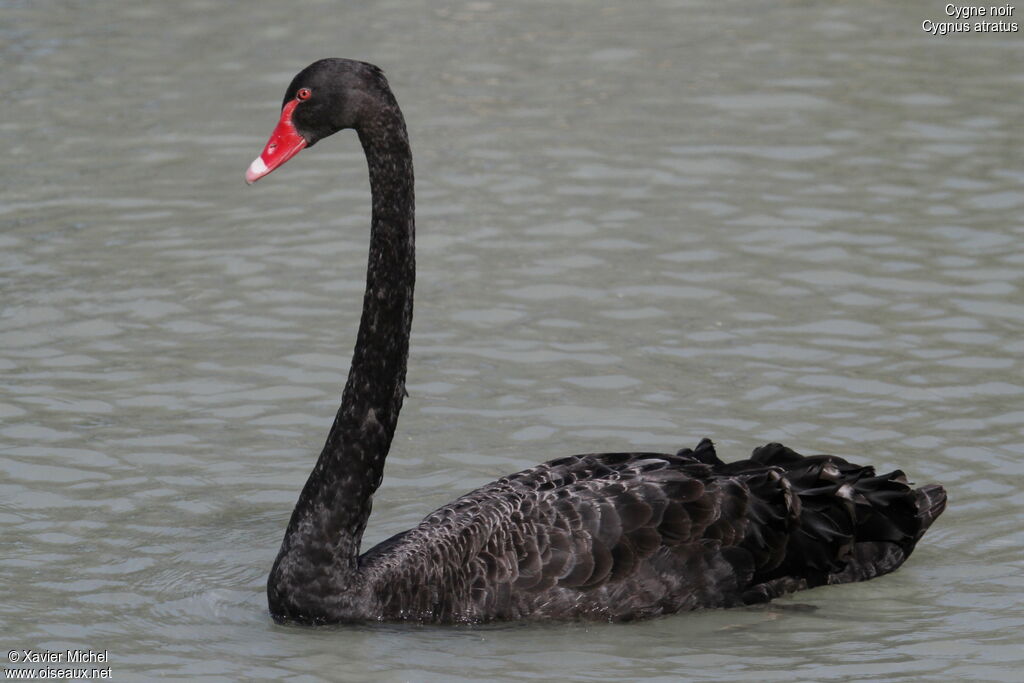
x: 638, y: 227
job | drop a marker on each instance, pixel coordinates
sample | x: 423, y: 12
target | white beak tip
x: 257, y: 169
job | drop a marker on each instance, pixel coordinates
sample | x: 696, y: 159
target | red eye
x: 304, y: 93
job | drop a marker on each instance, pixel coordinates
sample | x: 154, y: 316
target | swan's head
x: 327, y: 96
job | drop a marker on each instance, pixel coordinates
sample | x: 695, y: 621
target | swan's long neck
x: 319, y: 554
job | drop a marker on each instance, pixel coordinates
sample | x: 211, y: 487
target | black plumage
x: 621, y: 536
x: 612, y: 536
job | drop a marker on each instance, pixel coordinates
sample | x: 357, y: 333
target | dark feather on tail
x: 850, y: 524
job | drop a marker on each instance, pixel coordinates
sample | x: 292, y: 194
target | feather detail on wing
x: 621, y: 535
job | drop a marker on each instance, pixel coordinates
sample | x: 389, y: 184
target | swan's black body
x: 611, y: 536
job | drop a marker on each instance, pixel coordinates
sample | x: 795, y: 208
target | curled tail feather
x: 849, y: 524
x: 931, y: 501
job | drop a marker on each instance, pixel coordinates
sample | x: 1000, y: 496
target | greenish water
x: 639, y: 224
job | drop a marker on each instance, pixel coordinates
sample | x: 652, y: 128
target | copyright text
x: 57, y: 664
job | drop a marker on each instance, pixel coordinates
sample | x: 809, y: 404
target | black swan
x: 610, y: 536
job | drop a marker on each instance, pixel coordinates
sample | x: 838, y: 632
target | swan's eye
x: 304, y: 93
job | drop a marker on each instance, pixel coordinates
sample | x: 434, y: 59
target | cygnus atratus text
x: 611, y: 536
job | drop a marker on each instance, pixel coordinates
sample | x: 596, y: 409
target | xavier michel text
x: 60, y: 657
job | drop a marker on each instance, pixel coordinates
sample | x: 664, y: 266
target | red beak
x: 285, y: 142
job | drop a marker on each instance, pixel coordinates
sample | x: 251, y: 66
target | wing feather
x: 622, y: 535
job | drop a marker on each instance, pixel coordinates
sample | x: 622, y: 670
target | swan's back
x: 630, y: 535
